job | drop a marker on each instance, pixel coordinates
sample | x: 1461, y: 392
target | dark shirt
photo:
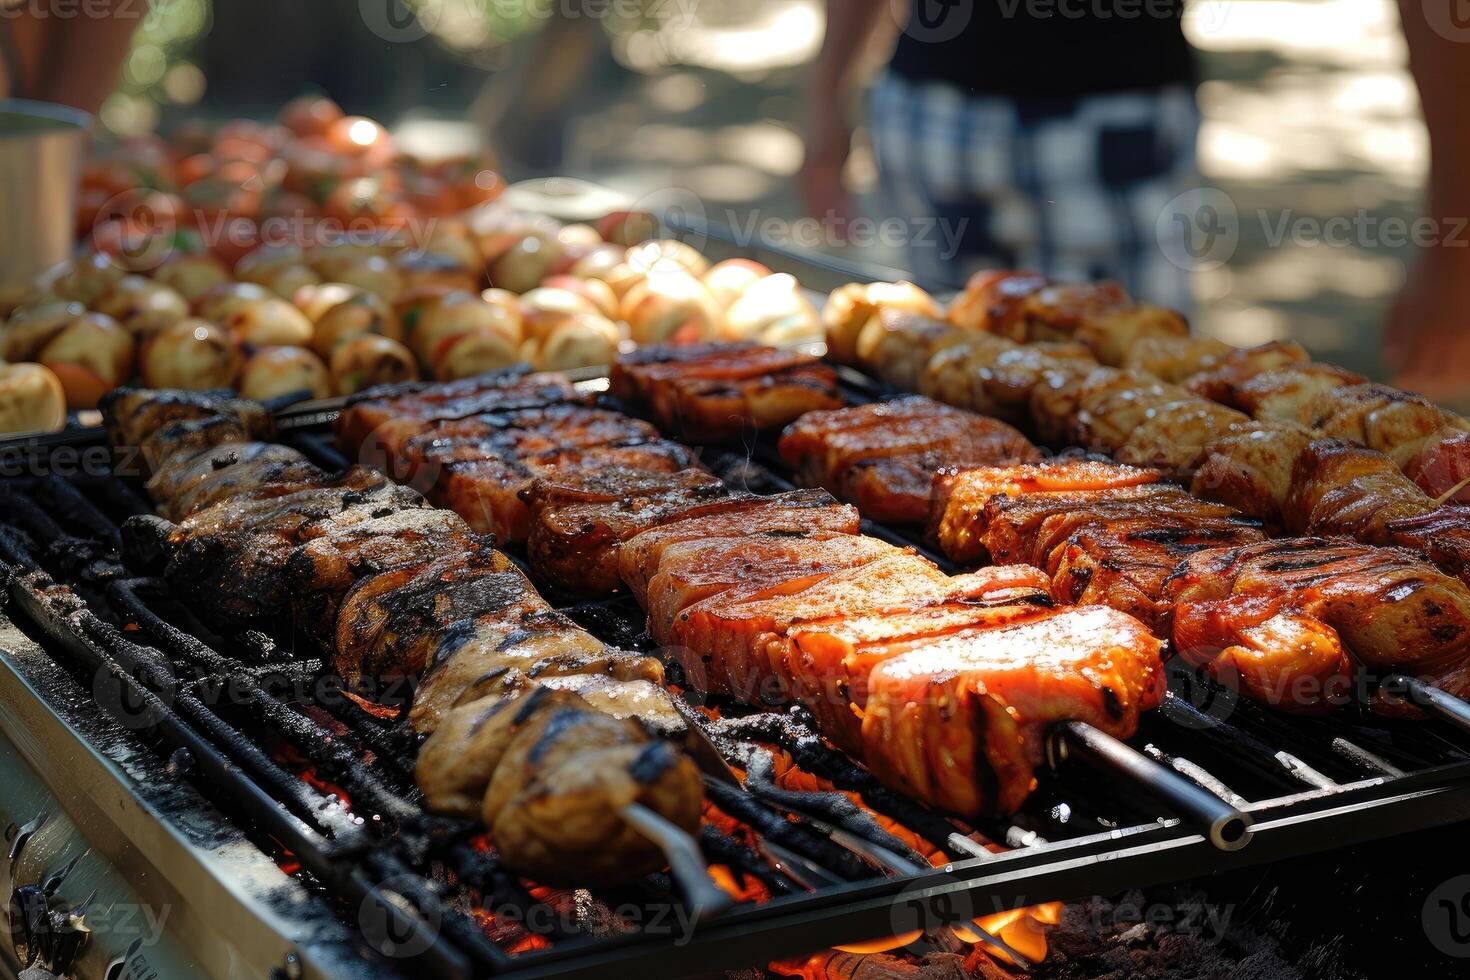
x: 1045, y: 48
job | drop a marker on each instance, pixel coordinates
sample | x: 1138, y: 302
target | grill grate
x: 1308, y: 783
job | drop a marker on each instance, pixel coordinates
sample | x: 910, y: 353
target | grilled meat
x: 1023, y: 308
x: 363, y: 425
x: 132, y: 414
x: 230, y: 558
x: 579, y: 519
x: 883, y: 456
x: 717, y: 392
x: 778, y: 516
x: 491, y: 492
x: 933, y: 680
x: 1287, y: 620
x: 187, y: 482
x: 399, y: 590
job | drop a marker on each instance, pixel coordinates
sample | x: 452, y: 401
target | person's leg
x: 946, y: 166
x: 1099, y: 172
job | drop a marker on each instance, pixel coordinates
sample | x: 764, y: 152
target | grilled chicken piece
x: 1284, y: 394
x: 132, y: 414
x: 188, y: 438
x: 1394, y: 422
x: 992, y: 300
x: 1179, y: 436
x: 995, y: 376
x: 883, y: 456
x: 1098, y: 408
x: 230, y: 559
x: 554, y: 801
x: 1340, y: 488
x: 321, y: 570
x: 1251, y: 470
x: 1442, y: 468
x: 391, y: 623
x: 1287, y: 620
x: 1100, y: 315
x: 718, y: 392
x: 896, y: 344
x: 1223, y: 380
x: 1175, y: 359
x: 781, y: 515
x: 188, y: 483
x: 579, y: 519
x: 363, y: 424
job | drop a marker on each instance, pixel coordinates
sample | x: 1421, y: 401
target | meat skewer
x: 709, y: 393
x: 534, y: 725
x: 1274, y: 471
x: 1286, y: 621
x: 730, y: 580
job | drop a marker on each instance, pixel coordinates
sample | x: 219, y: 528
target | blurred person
x: 1058, y: 130
x: 1045, y: 134
x: 1427, y: 341
x: 67, y: 53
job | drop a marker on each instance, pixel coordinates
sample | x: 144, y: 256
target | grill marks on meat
x: 131, y: 414
x: 1287, y: 621
x: 883, y: 456
x: 535, y: 725
x: 875, y: 639
x: 709, y: 393
x: 483, y: 465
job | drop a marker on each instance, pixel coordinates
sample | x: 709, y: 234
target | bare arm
x: 851, y: 26
x: 1427, y: 338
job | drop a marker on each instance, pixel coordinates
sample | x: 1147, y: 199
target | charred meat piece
x: 1346, y: 489
x: 391, y: 623
x: 230, y: 559
x: 717, y: 392
x: 1394, y: 422
x: 1222, y: 380
x: 189, y: 483
x: 579, y: 518
x: 883, y: 456
x: 188, y: 438
x: 1288, y: 621
x: 363, y: 426
x: 1251, y: 470
x: 321, y: 570
x: 132, y: 414
x: 782, y: 515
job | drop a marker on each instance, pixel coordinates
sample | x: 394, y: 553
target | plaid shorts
x: 1071, y: 187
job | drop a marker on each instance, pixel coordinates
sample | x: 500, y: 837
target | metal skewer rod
x: 704, y: 898
x: 1227, y: 827
x: 1441, y: 705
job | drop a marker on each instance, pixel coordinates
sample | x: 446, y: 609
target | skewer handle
x: 704, y: 898
x: 1445, y: 707
x: 1228, y: 828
